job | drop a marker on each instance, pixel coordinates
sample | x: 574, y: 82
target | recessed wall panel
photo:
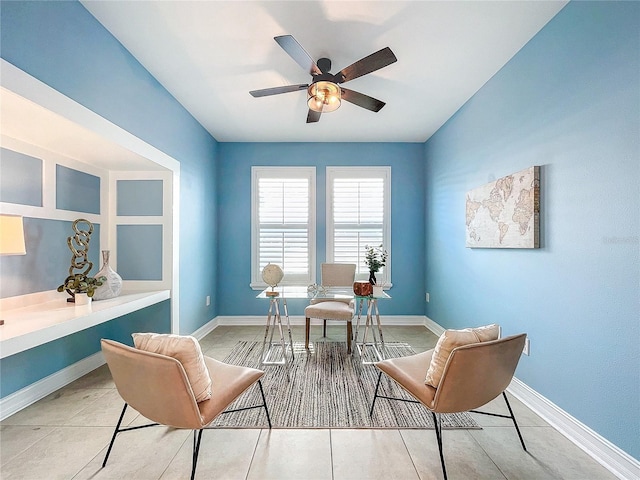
x: 20, y: 178
x: 139, y: 197
x: 77, y: 191
x: 140, y: 252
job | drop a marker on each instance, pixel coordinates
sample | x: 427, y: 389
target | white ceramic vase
x: 112, y: 287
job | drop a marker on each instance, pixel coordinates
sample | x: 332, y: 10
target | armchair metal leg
x: 324, y: 329
x: 115, y: 432
x: 307, y: 322
x: 513, y: 417
x: 375, y: 395
x: 264, y: 403
x: 197, y: 437
x: 118, y: 430
x: 438, y: 428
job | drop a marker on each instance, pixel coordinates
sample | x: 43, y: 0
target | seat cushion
x: 451, y: 339
x: 233, y: 380
x: 329, y: 311
x: 409, y: 373
x: 348, y: 301
x: 187, y: 351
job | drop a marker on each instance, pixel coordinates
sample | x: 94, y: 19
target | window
x: 283, y: 223
x: 358, y: 214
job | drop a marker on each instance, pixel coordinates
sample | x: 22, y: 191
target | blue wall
x: 63, y: 45
x: 234, y: 201
x: 568, y: 101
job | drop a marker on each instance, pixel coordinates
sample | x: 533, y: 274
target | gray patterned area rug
x: 327, y: 388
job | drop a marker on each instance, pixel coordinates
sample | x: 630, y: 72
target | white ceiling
x: 210, y: 54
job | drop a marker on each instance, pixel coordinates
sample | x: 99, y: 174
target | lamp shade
x: 324, y: 97
x: 11, y: 235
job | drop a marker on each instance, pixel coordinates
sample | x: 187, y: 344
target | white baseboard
x: 433, y: 326
x: 32, y: 393
x: 614, y: 459
x: 207, y: 328
x: 242, y: 320
x: 391, y: 320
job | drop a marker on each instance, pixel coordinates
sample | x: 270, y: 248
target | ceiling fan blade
x: 362, y: 100
x: 371, y: 63
x: 313, y: 116
x: 299, y: 54
x: 276, y: 90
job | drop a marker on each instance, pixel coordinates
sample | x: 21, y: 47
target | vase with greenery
x: 81, y: 283
x: 375, y: 258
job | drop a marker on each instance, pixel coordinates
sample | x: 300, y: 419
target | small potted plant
x: 81, y: 287
x: 375, y: 258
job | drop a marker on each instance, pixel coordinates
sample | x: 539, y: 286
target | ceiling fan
x: 324, y: 92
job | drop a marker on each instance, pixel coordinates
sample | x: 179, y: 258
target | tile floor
x: 65, y: 436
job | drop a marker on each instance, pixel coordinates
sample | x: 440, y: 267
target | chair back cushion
x: 451, y: 339
x: 477, y: 373
x: 338, y: 274
x: 187, y: 351
x: 153, y: 384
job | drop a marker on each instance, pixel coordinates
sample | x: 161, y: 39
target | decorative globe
x: 272, y: 274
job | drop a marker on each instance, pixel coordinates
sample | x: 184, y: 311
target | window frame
x: 383, y: 172
x: 258, y: 172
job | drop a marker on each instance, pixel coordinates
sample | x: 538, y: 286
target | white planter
x: 377, y: 290
x: 82, y: 300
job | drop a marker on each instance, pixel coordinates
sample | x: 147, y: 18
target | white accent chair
x: 333, y: 275
x: 474, y: 375
x: 157, y: 387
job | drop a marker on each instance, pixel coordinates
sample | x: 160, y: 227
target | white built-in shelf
x: 32, y: 320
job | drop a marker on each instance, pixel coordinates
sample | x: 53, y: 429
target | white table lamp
x: 11, y: 235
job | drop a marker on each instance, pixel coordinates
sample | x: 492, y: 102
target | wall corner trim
x: 613, y: 458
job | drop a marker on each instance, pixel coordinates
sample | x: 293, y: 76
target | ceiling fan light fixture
x: 324, y: 97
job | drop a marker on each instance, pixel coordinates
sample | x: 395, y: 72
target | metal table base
x: 274, y: 320
x: 376, y: 344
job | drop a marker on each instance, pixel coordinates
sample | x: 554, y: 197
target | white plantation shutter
x: 282, y: 222
x: 358, y: 204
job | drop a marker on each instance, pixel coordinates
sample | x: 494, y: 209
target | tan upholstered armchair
x: 474, y: 375
x: 333, y: 275
x: 158, y: 388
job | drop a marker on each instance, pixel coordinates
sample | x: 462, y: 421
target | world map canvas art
x: 505, y: 213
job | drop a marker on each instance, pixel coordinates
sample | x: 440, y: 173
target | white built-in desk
x: 35, y: 319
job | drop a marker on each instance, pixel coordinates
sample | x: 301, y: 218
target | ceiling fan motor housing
x: 324, y: 64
